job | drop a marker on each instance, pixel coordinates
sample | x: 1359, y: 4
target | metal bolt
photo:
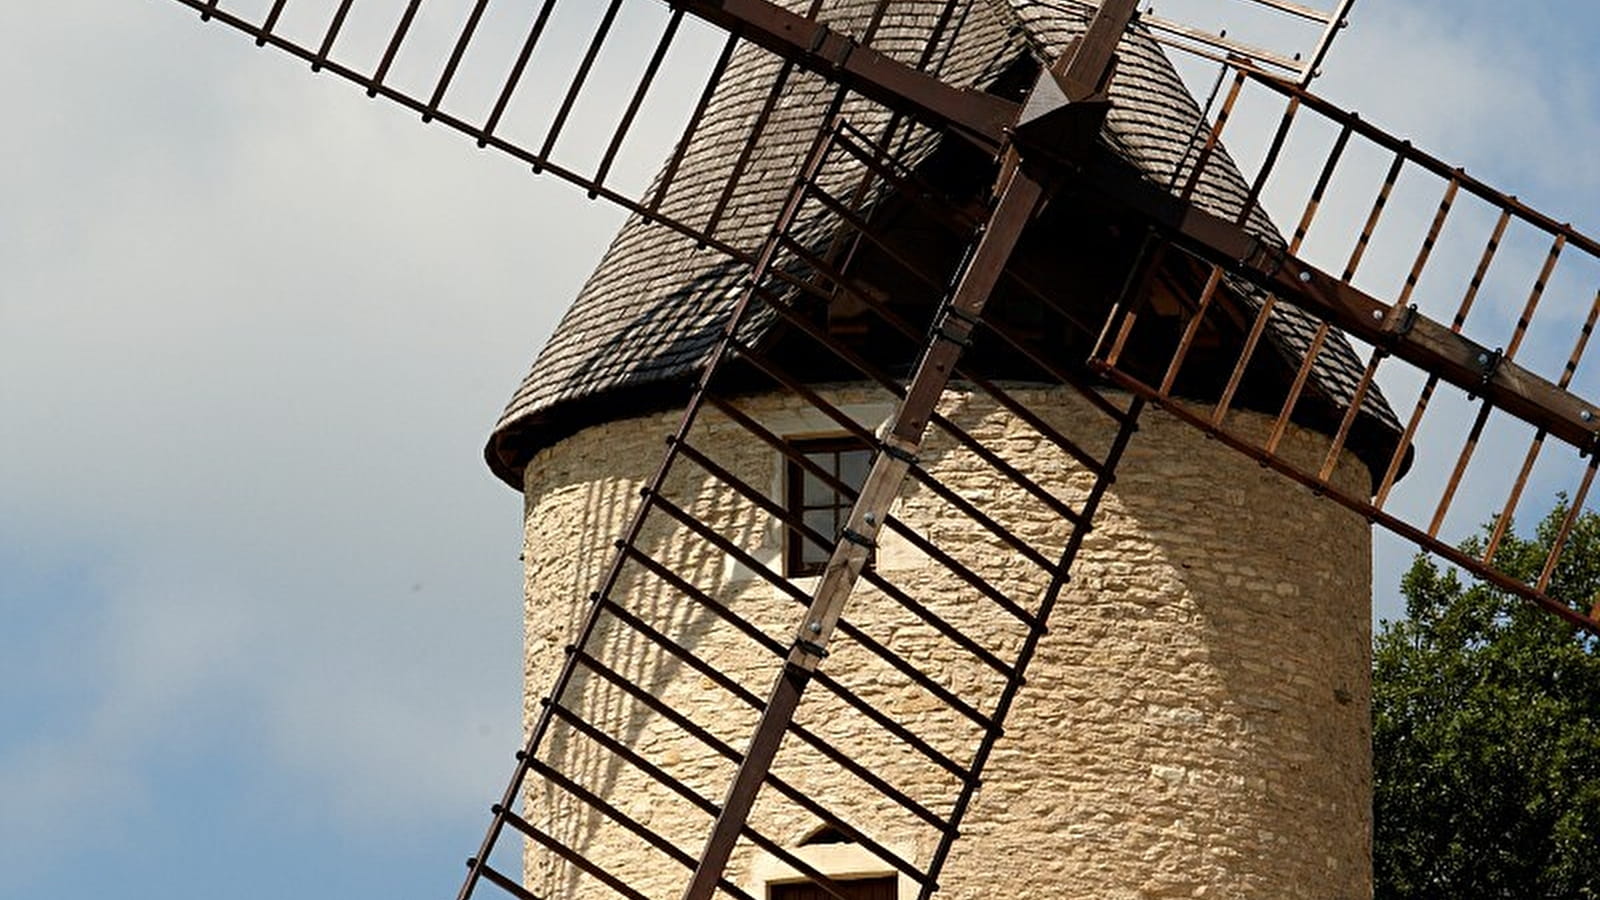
x: 870, y: 519
x: 814, y: 627
x: 1305, y: 277
x: 1483, y: 359
x: 1586, y: 415
x: 1377, y: 314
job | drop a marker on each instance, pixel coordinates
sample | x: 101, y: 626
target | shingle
x: 650, y: 313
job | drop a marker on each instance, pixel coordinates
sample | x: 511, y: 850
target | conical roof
x: 651, y: 311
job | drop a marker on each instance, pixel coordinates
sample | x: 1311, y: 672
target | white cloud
x: 254, y: 329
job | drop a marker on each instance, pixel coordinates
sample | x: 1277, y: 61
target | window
x: 856, y: 889
x: 822, y: 507
x: 859, y: 874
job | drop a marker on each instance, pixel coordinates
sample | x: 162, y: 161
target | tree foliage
x: 1486, y: 731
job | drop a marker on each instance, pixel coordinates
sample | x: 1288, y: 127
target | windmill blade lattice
x: 1473, y: 361
x: 666, y: 622
x: 598, y: 94
x: 810, y: 167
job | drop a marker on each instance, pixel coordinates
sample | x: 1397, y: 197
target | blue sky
x: 259, y: 597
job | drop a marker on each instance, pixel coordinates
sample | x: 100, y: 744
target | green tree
x: 1486, y: 731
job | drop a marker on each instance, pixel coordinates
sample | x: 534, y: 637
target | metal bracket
x: 832, y: 47
x: 961, y: 338
x: 1267, y: 259
x: 1404, y: 322
x: 1396, y: 331
x: 857, y: 538
x: 1488, y: 363
x: 811, y: 648
x: 894, y: 452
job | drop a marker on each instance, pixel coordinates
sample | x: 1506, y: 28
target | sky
x: 259, y: 596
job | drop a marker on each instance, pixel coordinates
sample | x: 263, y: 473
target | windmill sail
x: 1478, y: 362
x: 828, y: 192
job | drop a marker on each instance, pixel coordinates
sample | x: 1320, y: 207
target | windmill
x: 903, y: 569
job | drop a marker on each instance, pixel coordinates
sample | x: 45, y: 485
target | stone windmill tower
x: 912, y: 466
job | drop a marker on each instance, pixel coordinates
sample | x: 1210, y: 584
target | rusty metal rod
x: 622, y: 751
x: 575, y: 86
x: 1396, y: 459
x: 1351, y: 120
x: 503, y: 882
x: 950, y: 632
x: 1269, y: 162
x: 772, y: 370
x: 1191, y: 329
x: 456, y: 54
x: 332, y: 34
x: 1319, y: 189
x: 555, y: 845
x: 802, y: 800
x: 692, y: 127
x: 1424, y: 253
x: 1525, y: 318
x: 1360, y: 506
x: 402, y: 29
x: 704, y: 736
x: 701, y: 597
x: 634, y: 826
x: 1574, y: 509
x: 1358, y: 401
x: 1502, y: 522
x: 1258, y: 327
x: 973, y: 579
x: 742, y: 161
x: 645, y: 81
x: 1264, y: 311
x: 1581, y: 344
x: 1371, y: 225
x: 1212, y: 138
x: 987, y: 523
x: 271, y: 21
x: 518, y: 68
x: 1446, y: 204
x: 1137, y: 287
x: 1508, y: 511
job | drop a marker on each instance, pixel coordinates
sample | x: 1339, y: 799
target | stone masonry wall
x: 1195, y: 724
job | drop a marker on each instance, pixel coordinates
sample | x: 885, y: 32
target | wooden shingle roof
x: 650, y: 313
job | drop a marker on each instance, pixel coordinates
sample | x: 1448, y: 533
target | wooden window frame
x: 830, y: 450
